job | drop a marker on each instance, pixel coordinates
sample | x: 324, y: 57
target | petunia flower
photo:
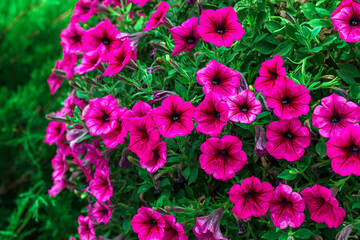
x: 185, y: 36
x: 74, y: 136
x: 346, y: 20
x: 58, y: 185
x: 84, y: 9
x: 334, y: 115
x: 100, y: 212
x: 287, y: 139
x: 139, y: 110
x: 174, y: 117
x: 211, y: 115
x: 222, y: 157
x: 86, y: 230
x: 100, y: 186
x: 89, y: 62
x: 71, y: 38
x: 243, y: 107
x: 322, y: 206
x: 70, y: 103
x: 119, y: 58
x: 271, y: 71
x: 55, y: 81
x: 148, y: 224
x: 173, y: 230
x: 221, y: 27
x: 84, y: 165
x: 134, y: 39
x: 54, y: 132
x: 59, y: 165
x: 153, y: 159
x: 117, y: 135
x: 289, y: 100
x: 344, y: 150
x: 161, y: 95
x: 68, y: 64
x: 251, y: 198
x: 218, y: 79
x: 158, y: 18
x: 208, y: 227
x: 260, y: 142
x: 286, y: 207
x: 141, y: 2
x: 103, y: 115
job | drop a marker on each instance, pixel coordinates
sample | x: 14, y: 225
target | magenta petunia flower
x: 286, y: 207
x: 346, y: 20
x: 119, y: 58
x: 139, y: 110
x: 211, y: 115
x: 243, y: 107
x: 68, y: 64
x: 70, y: 103
x: 84, y: 9
x: 141, y: 2
x: 100, y: 186
x: 89, y: 62
x: 322, y: 206
x: 118, y: 135
x: 334, y: 115
x: 251, y: 198
x: 153, y: 159
x: 185, y: 36
x: 102, y: 36
x: 103, y: 115
x: 287, y: 139
x: 173, y: 230
x: 101, y: 213
x: 84, y: 166
x: 158, y: 18
x: 221, y: 27
x: 271, y: 72
x: 55, y: 81
x: 65, y: 70
x: 86, y: 230
x: 222, y: 157
x: 174, y: 117
x: 58, y: 163
x: 208, y: 227
x: 54, y: 132
x: 218, y: 79
x: 71, y: 38
x: 289, y: 100
x: 344, y: 150
x: 148, y: 224
x: 57, y: 187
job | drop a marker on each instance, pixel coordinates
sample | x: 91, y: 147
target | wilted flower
x: 134, y: 39
x: 86, y: 230
x: 100, y: 186
x: 208, y: 227
x: 260, y: 142
x: 74, y: 136
x: 161, y: 95
x: 190, y: 2
x: 154, y: 69
x: 148, y: 224
x: 124, y: 162
x: 185, y: 36
x: 71, y: 38
x: 158, y: 18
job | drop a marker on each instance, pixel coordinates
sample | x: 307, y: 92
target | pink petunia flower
x: 139, y: 110
x: 334, y: 115
x: 154, y: 159
x: 344, y: 150
x: 271, y: 72
x: 221, y: 27
x: 243, y: 107
x: 54, y: 81
x: 287, y: 139
x: 58, y: 185
x: 84, y: 9
x: 173, y: 230
x: 86, y: 230
x: 68, y: 64
x: 74, y: 136
x: 211, y: 115
x: 103, y: 115
x: 218, y: 79
x: 118, y: 135
x: 222, y: 157
x: 54, y: 132
x: 185, y: 36
x: 174, y: 117
x: 70, y: 103
x: 208, y: 227
x: 158, y: 18
x: 89, y: 62
x: 251, y: 198
x: 286, y: 207
x: 322, y: 206
x: 100, y: 186
x: 119, y: 58
x: 141, y: 2
x: 100, y: 212
x: 71, y: 38
x: 148, y: 224
x: 102, y: 36
x: 346, y: 20
x: 84, y: 166
x: 58, y: 163
x: 289, y: 100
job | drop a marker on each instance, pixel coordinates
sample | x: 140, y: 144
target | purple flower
x: 100, y: 186
x: 185, y: 36
x: 86, y: 230
x: 208, y: 227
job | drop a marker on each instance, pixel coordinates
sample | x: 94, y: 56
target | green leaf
x: 273, y: 26
x: 356, y: 226
x: 355, y: 92
x: 315, y: 32
x: 271, y: 235
x: 144, y: 188
x: 316, y: 49
x: 194, y: 169
x: 264, y: 47
x: 309, y: 10
x: 319, y: 23
x: 356, y: 205
x: 329, y: 40
x: 303, y: 233
x: 288, y: 174
x: 347, y: 77
x: 305, y: 162
x: 321, y: 149
x: 284, y: 48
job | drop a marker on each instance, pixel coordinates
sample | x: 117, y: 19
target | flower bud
x: 160, y: 46
x: 190, y: 2
x: 243, y: 83
x: 161, y: 95
x: 134, y: 38
x: 260, y: 142
x: 343, y: 92
x: 156, y: 68
x: 124, y: 162
x: 172, y: 62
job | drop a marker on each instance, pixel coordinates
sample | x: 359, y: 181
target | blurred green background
x: 29, y: 47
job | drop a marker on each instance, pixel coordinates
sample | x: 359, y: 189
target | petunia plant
x: 210, y: 119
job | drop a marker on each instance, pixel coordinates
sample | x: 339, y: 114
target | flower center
x: 244, y: 108
x: 175, y: 117
x: 285, y: 101
x: 190, y: 40
x: 216, y: 80
x: 286, y: 202
x: 156, y: 154
x: 354, y: 149
x: 77, y: 38
x: 354, y: 21
x: 289, y: 135
x: 223, y: 153
x: 216, y: 114
x: 220, y: 29
x: 105, y: 41
x: 274, y: 75
x: 105, y: 118
x: 335, y: 118
x: 153, y: 222
x: 249, y: 194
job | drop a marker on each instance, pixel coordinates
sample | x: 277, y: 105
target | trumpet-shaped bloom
x: 100, y: 186
x: 154, y: 159
x: 322, y: 206
x: 74, y: 136
x: 71, y: 38
x: 54, y: 132
x: 173, y: 230
x: 243, y: 107
x: 89, y: 62
x: 287, y: 139
x: 58, y: 163
x: 158, y: 18
x: 185, y: 36
x: 139, y: 110
x: 119, y: 58
x: 221, y: 27
x: 222, y: 157
x: 218, y: 79
x: 86, y: 230
x: 251, y: 198
x: 57, y: 187
x: 174, y: 117
x: 334, y: 115
x: 118, y: 135
x: 100, y: 212
x: 211, y: 115
x: 286, y: 208
x: 344, y: 150
x: 70, y: 103
x: 148, y: 224
x: 83, y: 11
x: 208, y: 227
x: 141, y: 2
